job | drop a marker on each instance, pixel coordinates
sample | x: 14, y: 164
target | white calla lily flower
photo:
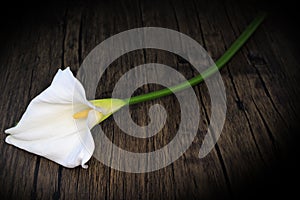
x: 57, y: 123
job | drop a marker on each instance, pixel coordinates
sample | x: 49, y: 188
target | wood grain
x: 261, y: 88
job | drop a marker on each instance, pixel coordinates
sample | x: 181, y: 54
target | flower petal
x: 47, y: 127
x: 70, y: 150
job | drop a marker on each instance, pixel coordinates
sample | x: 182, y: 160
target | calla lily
x: 57, y: 123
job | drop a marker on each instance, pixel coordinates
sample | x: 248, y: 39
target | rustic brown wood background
x: 253, y: 151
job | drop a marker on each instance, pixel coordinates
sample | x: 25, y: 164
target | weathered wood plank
x: 15, y: 163
x: 210, y: 177
x: 273, y: 87
x: 260, y: 85
x: 252, y: 140
x: 49, y: 53
x: 30, y: 77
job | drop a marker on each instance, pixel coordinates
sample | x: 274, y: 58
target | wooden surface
x: 254, y: 155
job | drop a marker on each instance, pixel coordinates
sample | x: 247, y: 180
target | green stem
x: 241, y: 40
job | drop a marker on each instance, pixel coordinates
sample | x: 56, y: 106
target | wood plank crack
x: 245, y: 114
x: 80, y: 41
x: 64, y: 29
x: 219, y: 154
x: 36, y: 172
x: 56, y: 195
x: 270, y: 134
